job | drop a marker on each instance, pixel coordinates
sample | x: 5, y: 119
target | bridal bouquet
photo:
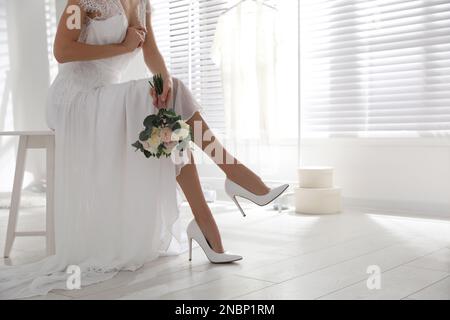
x: 163, y: 132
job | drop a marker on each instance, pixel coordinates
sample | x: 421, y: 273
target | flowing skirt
x: 114, y: 208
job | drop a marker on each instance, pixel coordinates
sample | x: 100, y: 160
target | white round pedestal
x: 318, y: 201
x: 315, y: 177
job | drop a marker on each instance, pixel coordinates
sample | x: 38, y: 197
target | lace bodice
x: 103, y: 8
x: 107, y: 9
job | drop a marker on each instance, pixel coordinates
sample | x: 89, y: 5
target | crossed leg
x: 234, y: 170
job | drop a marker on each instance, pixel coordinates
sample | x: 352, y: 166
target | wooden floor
x: 286, y: 256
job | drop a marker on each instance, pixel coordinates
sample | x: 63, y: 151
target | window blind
x: 375, y: 66
x: 184, y: 30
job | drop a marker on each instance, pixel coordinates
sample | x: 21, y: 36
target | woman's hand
x: 135, y: 38
x: 161, y: 101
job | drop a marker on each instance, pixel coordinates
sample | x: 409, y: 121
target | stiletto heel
x: 194, y: 232
x: 234, y: 190
x: 239, y: 206
x: 190, y: 249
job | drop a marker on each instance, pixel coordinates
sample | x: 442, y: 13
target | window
x: 375, y: 67
x: 184, y: 31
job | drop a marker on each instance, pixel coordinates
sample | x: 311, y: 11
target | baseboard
x: 403, y: 208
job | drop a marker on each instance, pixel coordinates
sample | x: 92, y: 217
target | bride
x: 115, y: 209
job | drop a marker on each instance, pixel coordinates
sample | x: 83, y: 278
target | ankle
x: 203, y: 221
x: 210, y: 232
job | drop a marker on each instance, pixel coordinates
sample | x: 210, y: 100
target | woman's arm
x: 153, y: 58
x: 67, y: 48
x: 155, y: 62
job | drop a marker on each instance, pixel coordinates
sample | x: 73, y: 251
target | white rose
x: 153, y: 142
x: 182, y: 133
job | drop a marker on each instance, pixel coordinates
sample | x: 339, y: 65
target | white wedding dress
x: 114, y: 208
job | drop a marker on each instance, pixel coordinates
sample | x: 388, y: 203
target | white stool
x: 32, y: 140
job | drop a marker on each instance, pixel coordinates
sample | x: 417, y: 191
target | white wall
x: 403, y: 174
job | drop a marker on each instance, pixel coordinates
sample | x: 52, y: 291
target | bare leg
x: 189, y: 182
x: 233, y: 169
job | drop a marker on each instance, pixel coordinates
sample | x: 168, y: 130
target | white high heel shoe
x: 194, y: 232
x: 234, y: 190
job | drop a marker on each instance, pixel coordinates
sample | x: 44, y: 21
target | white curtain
x: 245, y: 47
x: 24, y: 79
x: 255, y: 47
x: 256, y: 50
